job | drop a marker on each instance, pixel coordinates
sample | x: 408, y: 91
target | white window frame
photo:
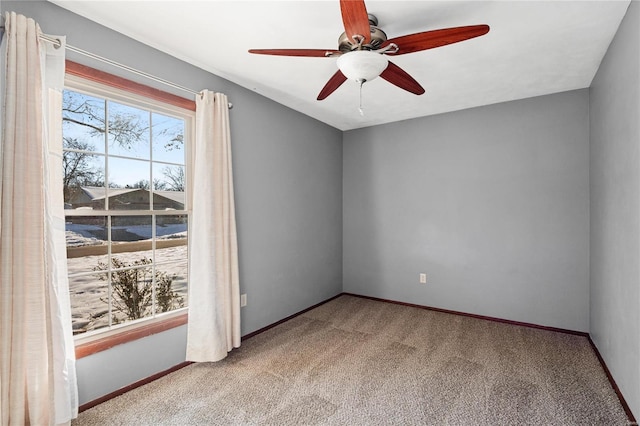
x: 121, y: 96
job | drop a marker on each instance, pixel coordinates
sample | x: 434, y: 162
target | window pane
x: 128, y: 184
x: 128, y: 131
x: 169, y: 182
x: 125, y: 229
x: 83, y: 180
x: 86, y: 238
x: 171, y: 285
x: 131, y: 241
x: 168, y: 139
x: 89, y: 297
x: 171, y: 228
x: 171, y: 262
x: 131, y: 292
x: 83, y: 121
x: 86, y: 251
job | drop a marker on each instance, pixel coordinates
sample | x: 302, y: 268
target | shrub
x: 132, y: 289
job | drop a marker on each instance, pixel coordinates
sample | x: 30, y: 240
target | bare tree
x: 175, y: 178
x: 158, y: 185
x: 133, y: 288
x: 125, y: 130
x: 77, y: 166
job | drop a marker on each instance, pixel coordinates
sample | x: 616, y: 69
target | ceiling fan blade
x: 397, y: 76
x: 430, y: 39
x: 320, y: 53
x: 355, y: 19
x: 334, y: 82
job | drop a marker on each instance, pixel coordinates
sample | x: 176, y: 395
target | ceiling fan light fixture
x: 362, y: 65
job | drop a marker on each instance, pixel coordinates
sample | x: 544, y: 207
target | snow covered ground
x: 89, y: 293
x: 80, y: 235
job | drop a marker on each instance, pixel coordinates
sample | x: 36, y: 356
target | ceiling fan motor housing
x: 345, y: 44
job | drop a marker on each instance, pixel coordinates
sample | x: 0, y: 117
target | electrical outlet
x: 423, y: 278
x: 243, y: 300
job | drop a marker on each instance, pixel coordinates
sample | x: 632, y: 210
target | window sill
x: 101, y: 342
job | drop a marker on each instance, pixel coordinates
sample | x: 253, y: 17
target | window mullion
x: 154, y: 301
x: 151, y: 186
x: 106, y: 156
x: 109, y: 266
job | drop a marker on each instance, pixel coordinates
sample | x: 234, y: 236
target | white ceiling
x: 534, y: 48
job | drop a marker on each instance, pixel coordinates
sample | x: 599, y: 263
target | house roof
x: 97, y: 193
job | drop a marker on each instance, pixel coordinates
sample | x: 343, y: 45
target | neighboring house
x: 127, y: 228
x: 123, y: 198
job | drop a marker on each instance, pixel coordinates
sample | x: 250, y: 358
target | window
x: 127, y: 214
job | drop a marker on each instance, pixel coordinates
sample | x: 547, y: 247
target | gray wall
x: 288, y: 186
x: 492, y: 203
x: 615, y: 208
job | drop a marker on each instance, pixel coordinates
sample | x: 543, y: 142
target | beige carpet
x: 355, y: 361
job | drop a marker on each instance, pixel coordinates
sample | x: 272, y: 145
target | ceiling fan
x: 363, y: 47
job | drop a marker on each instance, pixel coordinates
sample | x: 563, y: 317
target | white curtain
x: 37, y: 359
x: 214, y: 293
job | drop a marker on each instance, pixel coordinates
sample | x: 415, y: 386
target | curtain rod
x: 57, y: 42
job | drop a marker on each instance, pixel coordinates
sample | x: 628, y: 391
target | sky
x: 147, y: 135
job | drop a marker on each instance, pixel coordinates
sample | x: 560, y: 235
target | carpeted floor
x: 355, y: 361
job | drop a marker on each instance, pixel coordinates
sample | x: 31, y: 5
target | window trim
x: 94, y: 343
x: 130, y: 86
x: 108, y: 339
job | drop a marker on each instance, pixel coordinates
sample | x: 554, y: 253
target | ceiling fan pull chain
x: 360, y: 106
